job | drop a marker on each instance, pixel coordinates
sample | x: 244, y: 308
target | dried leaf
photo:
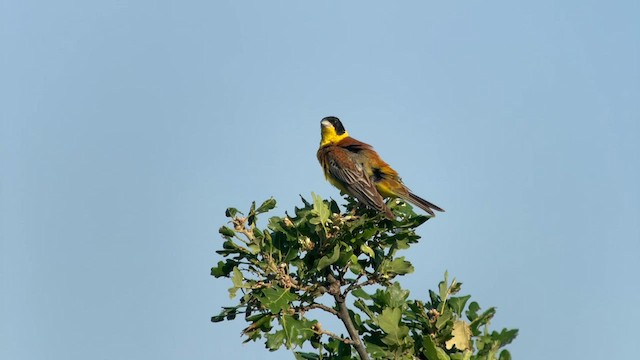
x: 461, y: 336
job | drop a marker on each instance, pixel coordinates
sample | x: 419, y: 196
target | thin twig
x: 329, y: 333
x: 322, y: 307
x: 353, y: 283
x: 355, y: 286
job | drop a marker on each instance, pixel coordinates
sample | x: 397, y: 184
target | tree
x: 345, y: 264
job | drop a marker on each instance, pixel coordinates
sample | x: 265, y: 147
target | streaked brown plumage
x: 356, y: 169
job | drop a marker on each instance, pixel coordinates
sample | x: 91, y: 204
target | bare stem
x: 343, y: 314
x: 323, y: 307
x: 335, y: 336
x: 355, y: 285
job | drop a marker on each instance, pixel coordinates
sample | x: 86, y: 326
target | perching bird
x: 356, y: 169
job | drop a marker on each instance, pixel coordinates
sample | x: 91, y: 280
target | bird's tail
x: 423, y: 204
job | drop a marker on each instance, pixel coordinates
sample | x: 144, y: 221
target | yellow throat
x: 330, y: 136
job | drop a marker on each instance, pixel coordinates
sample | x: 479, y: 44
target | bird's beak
x: 325, y: 123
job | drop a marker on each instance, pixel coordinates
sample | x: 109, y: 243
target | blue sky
x: 126, y: 129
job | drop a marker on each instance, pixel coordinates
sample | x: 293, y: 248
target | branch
x: 322, y: 307
x: 355, y: 286
x: 320, y: 331
x: 343, y: 314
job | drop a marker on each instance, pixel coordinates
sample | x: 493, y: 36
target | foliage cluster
x: 345, y: 264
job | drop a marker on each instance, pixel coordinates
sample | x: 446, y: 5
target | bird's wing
x: 353, y: 177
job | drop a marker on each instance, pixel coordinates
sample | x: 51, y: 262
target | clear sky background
x: 127, y: 128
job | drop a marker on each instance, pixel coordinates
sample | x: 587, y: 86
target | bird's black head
x: 335, y: 122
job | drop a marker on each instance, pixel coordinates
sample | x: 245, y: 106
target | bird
x: 357, y: 170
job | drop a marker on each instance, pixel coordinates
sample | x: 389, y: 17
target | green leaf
x: 277, y: 224
x: 389, y: 322
x: 228, y: 313
x: 457, y: 304
x: 357, y: 319
x: 259, y: 323
x: 329, y: 259
x: 344, y: 351
x: 402, y: 244
x: 455, y: 287
x: 400, y: 266
x: 505, y: 336
x: 331, y: 346
x: 505, y: 355
x: 461, y: 336
x: 333, y: 206
x: 257, y: 317
x: 255, y: 248
x: 321, y: 209
x: 304, y: 201
x: 431, y: 351
x: 483, y: 319
x: 231, y: 212
x: 232, y: 292
x: 266, y: 206
x: 355, y: 266
x: 367, y: 250
x: 359, y: 292
x: 444, y: 318
x: 305, y: 356
x: 346, y: 254
x: 225, y: 231
x: 389, y: 319
x: 257, y: 233
x: 222, y: 269
x: 466, y: 355
x: 251, y: 218
x: 472, y: 312
x: 362, y: 306
x: 275, y: 340
x: 397, y: 296
x: 377, y: 351
x: 277, y: 299
x: 237, y: 277
x: 296, y: 331
x: 435, y: 301
x: 443, y: 286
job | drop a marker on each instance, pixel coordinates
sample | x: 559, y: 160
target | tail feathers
x: 423, y: 204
